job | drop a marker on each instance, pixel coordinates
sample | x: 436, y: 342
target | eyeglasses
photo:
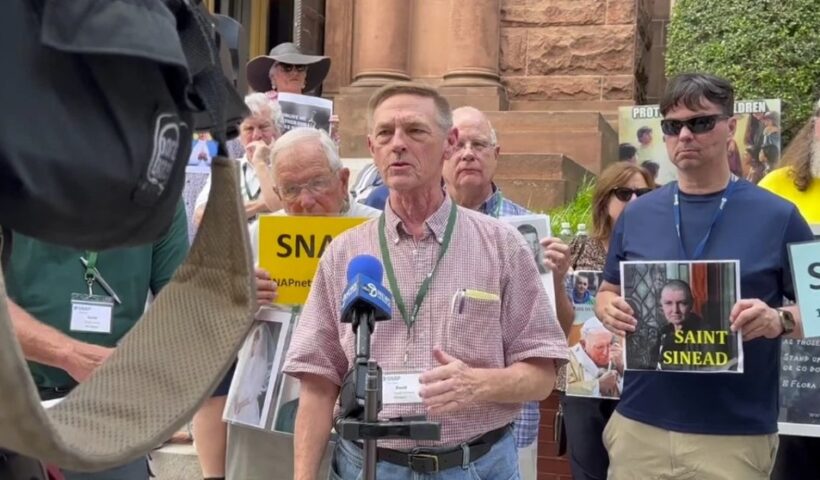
x: 316, y: 186
x: 287, y: 68
x: 478, y: 146
x: 695, y: 125
x: 624, y: 194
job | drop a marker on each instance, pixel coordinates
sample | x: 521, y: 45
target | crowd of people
x: 479, y: 370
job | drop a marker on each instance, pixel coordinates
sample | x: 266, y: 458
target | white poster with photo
x: 533, y: 228
x: 596, y: 367
x: 305, y: 111
x: 259, y: 369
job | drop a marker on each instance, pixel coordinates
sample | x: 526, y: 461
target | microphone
x: 364, y: 302
x: 364, y: 294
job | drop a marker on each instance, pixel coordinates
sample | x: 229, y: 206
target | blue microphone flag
x: 364, y: 289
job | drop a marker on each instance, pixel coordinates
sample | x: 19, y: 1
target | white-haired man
x: 468, y: 174
x: 302, y: 171
x: 261, y: 127
x: 595, y: 363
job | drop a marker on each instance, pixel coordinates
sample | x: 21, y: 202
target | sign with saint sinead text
x: 805, y: 258
x: 682, y: 309
x: 290, y: 247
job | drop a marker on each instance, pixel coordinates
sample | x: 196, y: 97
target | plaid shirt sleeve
x: 526, y: 425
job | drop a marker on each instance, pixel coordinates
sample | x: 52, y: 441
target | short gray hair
x: 260, y: 104
x: 306, y: 134
x: 444, y: 114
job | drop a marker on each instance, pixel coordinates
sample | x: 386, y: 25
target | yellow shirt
x: 781, y: 183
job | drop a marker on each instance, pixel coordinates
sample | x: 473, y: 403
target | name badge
x: 401, y: 388
x: 91, y: 313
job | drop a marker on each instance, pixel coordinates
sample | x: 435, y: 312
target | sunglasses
x: 287, y: 68
x: 695, y: 125
x: 625, y: 194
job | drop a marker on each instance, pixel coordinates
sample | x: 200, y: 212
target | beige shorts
x: 638, y: 451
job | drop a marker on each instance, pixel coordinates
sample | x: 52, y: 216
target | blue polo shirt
x: 755, y: 228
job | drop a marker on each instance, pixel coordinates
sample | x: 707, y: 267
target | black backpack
x: 100, y: 100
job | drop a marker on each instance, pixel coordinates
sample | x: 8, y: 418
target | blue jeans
x: 500, y: 463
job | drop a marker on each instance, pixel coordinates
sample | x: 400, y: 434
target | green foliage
x: 766, y: 48
x: 579, y: 210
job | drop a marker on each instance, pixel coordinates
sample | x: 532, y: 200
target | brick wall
x: 582, y: 51
x: 550, y: 467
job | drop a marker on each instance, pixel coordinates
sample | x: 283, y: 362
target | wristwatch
x: 786, y: 321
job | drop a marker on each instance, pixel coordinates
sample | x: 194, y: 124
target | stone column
x: 473, y: 43
x: 380, y: 41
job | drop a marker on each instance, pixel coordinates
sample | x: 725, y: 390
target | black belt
x: 431, y: 460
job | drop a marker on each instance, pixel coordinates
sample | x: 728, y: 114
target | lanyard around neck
x: 701, y: 246
x: 498, y: 199
x: 410, y: 319
x: 251, y: 196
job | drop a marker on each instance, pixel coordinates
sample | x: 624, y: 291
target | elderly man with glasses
x: 301, y: 172
x: 468, y: 174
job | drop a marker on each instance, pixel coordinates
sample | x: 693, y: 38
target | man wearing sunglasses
x: 718, y: 425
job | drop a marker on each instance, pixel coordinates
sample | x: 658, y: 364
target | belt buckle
x: 424, y: 463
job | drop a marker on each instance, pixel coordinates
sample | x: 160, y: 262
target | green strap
x: 410, y: 320
x: 90, y: 275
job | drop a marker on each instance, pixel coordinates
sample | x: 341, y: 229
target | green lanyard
x: 90, y: 268
x: 410, y: 320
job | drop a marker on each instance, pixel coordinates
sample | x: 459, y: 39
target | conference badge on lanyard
x: 91, y: 313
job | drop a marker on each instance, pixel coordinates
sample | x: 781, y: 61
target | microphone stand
x: 363, y: 402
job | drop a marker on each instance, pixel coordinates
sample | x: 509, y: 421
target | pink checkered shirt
x: 484, y: 254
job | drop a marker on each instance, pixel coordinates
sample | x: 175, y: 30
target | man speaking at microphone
x: 472, y: 336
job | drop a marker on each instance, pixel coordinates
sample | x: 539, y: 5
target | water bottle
x: 566, y: 232
x: 581, y: 230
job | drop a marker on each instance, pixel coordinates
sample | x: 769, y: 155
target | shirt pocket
x: 473, y: 331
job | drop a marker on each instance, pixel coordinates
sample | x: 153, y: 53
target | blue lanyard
x: 702, y: 244
x: 498, y: 199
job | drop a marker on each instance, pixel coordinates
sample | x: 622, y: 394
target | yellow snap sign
x: 290, y: 247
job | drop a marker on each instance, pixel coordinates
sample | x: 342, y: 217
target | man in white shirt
x: 303, y: 171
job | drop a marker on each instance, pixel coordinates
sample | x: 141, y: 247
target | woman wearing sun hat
x: 286, y: 69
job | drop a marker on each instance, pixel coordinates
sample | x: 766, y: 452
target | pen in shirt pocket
x: 457, y: 304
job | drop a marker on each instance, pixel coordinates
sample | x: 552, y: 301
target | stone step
x: 545, y: 121
x: 539, y: 196
x: 593, y: 150
x: 539, y: 182
x: 176, y: 462
x: 540, y: 166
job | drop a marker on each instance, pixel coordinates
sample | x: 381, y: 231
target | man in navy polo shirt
x: 704, y: 426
